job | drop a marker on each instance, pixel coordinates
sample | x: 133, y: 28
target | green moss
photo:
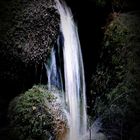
x: 116, y: 33
x: 33, y: 115
x: 116, y: 80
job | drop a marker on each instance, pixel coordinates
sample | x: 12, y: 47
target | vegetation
x: 116, y: 81
x: 37, y: 114
x: 28, y: 31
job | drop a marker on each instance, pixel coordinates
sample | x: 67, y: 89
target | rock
x: 116, y: 80
x: 29, y: 28
x: 28, y: 31
x: 38, y: 114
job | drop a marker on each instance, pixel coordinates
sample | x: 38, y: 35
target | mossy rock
x: 115, y: 83
x: 37, y: 114
x: 29, y: 28
x: 28, y: 31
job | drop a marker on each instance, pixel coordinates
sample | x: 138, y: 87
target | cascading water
x: 75, y: 99
x: 53, y: 71
x: 74, y: 74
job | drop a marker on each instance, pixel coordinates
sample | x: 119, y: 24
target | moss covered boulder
x: 29, y: 28
x: 28, y: 31
x: 38, y: 114
x: 115, y: 86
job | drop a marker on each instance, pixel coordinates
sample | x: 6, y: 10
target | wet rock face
x: 38, y: 114
x: 28, y: 31
x: 42, y: 27
x: 32, y: 30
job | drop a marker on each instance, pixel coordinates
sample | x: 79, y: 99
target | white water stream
x: 75, y: 99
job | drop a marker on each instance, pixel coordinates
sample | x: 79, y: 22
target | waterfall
x: 74, y: 74
x: 53, y: 71
x: 74, y: 80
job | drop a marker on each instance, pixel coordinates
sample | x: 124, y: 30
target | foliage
x: 115, y: 5
x: 116, y: 81
x: 34, y: 115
